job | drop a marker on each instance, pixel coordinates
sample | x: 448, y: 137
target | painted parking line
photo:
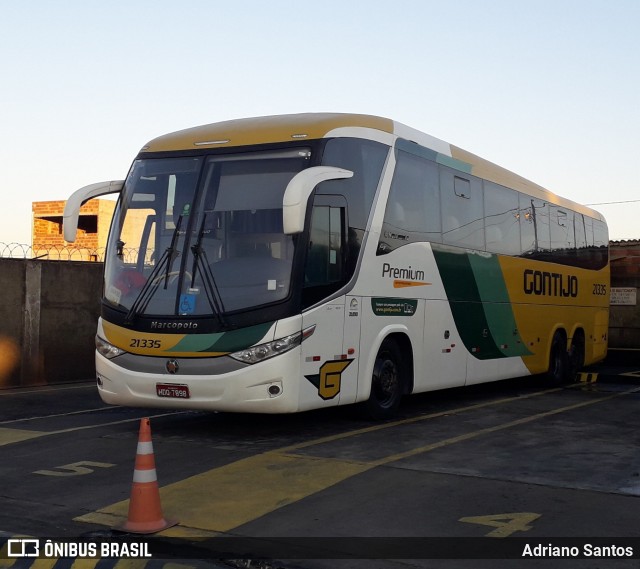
x: 10, y: 436
x: 254, y: 486
x: 229, y: 496
x: 232, y: 495
x: 501, y: 427
x: 631, y: 374
x: 18, y: 391
x: 55, y: 415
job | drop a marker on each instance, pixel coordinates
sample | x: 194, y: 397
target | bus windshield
x: 202, y: 235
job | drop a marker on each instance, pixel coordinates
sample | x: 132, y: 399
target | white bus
x: 286, y: 263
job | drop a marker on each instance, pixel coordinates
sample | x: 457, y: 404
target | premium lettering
x: 409, y: 274
x: 543, y: 283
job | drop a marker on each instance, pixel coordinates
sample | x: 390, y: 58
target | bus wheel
x: 387, y: 382
x: 576, y: 354
x: 559, y: 371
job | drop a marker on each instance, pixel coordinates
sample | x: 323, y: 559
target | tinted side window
x: 502, y: 226
x: 600, y: 254
x: 580, y: 231
x: 326, y: 242
x: 534, y: 226
x: 462, y: 209
x: 365, y: 158
x: 326, y: 268
x: 562, y: 231
x: 413, y: 207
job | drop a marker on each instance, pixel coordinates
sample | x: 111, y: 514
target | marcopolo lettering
x: 409, y: 274
x: 543, y: 283
x: 155, y: 325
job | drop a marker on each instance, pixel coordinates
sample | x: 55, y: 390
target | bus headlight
x: 263, y: 352
x: 106, y: 349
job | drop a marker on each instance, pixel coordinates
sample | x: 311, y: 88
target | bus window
x: 462, y: 210
x: 365, y: 159
x: 579, y: 230
x: 502, y: 226
x: 562, y: 233
x: 325, y: 265
x: 534, y: 226
x: 413, y: 208
x: 600, y: 244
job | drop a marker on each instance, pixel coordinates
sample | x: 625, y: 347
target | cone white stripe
x: 145, y: 448
x: 145, y: 475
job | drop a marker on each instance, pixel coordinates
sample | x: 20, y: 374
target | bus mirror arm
x: 75, y: 201
x: 296, y: 195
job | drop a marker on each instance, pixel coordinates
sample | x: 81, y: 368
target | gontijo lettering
x: 543, y: 283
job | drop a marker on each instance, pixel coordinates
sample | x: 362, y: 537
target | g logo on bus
x: 329, y: 379
x: 172, y: 366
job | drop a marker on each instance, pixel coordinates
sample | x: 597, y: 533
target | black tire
x: 387, y: 382
x: 559, y: 370
x: 576, y: 355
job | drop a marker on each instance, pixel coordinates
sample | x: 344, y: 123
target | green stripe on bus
x: 497, y: 304
x: 465, y: 302
x: 223, y: 341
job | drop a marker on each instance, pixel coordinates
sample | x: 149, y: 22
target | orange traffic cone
x: 145, y: 511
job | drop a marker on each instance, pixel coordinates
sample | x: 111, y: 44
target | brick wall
x: 625, y: 259
x: 93, y: 225
x: 624, y: 321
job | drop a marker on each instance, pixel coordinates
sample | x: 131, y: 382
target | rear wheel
x: 576, y: 354
x: 387, y: 382
x: 559, y: 369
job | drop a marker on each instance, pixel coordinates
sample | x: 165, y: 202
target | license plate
x: 177, y: 390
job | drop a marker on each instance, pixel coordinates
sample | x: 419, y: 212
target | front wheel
x: 387, y: 382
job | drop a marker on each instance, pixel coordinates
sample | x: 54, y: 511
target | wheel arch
x: 400, y: 334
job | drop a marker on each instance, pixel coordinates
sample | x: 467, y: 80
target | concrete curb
x: 606, y: 374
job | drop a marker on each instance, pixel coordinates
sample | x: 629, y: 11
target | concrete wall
x: 49, y: 310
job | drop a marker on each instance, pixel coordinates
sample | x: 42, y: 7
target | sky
x: 549, y: 89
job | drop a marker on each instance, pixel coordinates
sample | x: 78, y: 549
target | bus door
x: 325, y: 363
x: 322, y: 362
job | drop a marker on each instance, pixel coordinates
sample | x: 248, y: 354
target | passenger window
x: 366, y: 160
x: 462, y: 210
x: 502, y: 225
x: 562, y: 232
x: 600, y: 244
x: 534, y: 226
x: 413, y: 208
x: 580, y: 230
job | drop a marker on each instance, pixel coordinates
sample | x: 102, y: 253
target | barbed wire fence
x: 60, y: 253
x: 51, y: 252
x: 65, y: 253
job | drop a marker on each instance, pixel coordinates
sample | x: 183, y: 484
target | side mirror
x: 296, y: 196
x: 72, y: 207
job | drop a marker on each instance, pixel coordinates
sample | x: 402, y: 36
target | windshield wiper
x: 208, y: 280
x: 151, y: 285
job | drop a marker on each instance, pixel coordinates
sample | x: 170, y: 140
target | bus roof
x: 263, y: 130
x: 285, y: 128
